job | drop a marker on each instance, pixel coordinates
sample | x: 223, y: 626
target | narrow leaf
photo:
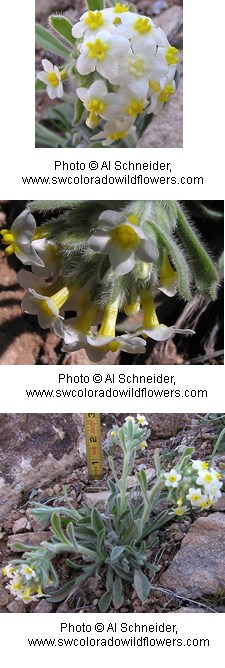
x: 116, y: 552
x: 61, y: 25
x: 79, y: 110
x: 105, y: 600
x: 141, y: 585
x: 96, y: 521
x: 117, y: 592
x: 50, y: 42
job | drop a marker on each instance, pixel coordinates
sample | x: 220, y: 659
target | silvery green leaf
x: 142, y: 585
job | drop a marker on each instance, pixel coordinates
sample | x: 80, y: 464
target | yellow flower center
x: 195, y: 497
x: 208, y: 477
x: 154, y: 85
x: 143, y: 26
x: 166, y: 93
x: 120, y: 9
x: 94, y: 20
x: 125, y: 236
x: 114, y: 136
x: 137, y: 66
x: 172, y: 477
x: 97, y: 49
x: 206, y: 504
x: 9, y: 240
x: 96, y: 106
x: 135, y: 107
x: 179, y: 511
x: 52, y: 79
x: 204, y: 465
x: 171, y: 55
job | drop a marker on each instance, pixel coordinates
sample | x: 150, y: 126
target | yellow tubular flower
x: 150, y: 317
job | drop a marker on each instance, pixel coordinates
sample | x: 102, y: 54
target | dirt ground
x: 166, y: 129
x: 57, y: 443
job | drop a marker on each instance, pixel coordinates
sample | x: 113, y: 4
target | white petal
x: 112, y: 218
x: 47, y: 65
x: 122, y: 260
x: 24, y: 226
x: 85, y: 65
x: 99, y: 241
x: 147, y: 251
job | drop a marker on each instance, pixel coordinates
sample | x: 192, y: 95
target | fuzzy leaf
x: 56, y: 528
x: 50, y: 42
x: 118, y: 592
x: 40, y: 85
x: 46, y: 138
x: 79, y: 110
x: 96, y: 521
x: 116, y: 552
x: 62, y: 593
x: 61, y: 25
x: 141, y: 585
x: 105, y: 600
x: 95, y: 4
x: 205, y: 274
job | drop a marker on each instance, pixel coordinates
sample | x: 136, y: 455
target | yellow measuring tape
x: 92, y: 430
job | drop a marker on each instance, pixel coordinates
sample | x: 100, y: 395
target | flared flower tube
x: 123, y: 242
x: 115, y: 130
x: 51, y: 76
x: 19, y: 239
x: 46, y: 308
x: 151, y: 326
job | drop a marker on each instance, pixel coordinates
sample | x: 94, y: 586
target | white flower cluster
x: 204, y: 490
x: 24, y: 584
x: 125, y: 243
x: 131, y: 65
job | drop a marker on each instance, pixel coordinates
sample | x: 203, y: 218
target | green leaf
x: 141, y: 585
x: 40, y: 85
x: 63, y: 592
x: 50, y: 42
x: 46, y: 138
x: 105, y: 600
x: 95, y: 4
x: 61, y: 25
x: 79, y: 110
x: 56, y: 528
x: 118, y: 592
x: 96, y: 521
x: 142, y: 479
x: 116, y: 552
x: 205, y: 274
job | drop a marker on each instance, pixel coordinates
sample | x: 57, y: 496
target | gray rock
x: 16, y: 606
x: 20, y: 525
x: 192, y: 609
x: 171, y: 22
x: 199, y: 566
x: 36, y: 450
x: 43, y: 606
x: 31, y: 538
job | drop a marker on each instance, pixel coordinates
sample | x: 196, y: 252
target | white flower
x: 46, y: 308
x: 52, y: 78
x: 139, y: 29
x: 172, y: 478
x: 142, y: 420
x: 9, y: 571
x: 126, y: 342
x: 207, y: 477
x: 198, y: 465
x: 165, y: 90
x: 105, y: 53
x: 20, y: 237
x: 129, y: 418
x: 143, y: 445
x: 195, y: 496
x: 28, y: 572
x: 115, y: 130
x: 92, y: 22
x: 123, y: 242
x: 99, y: 102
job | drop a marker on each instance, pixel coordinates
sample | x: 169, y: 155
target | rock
x: 31, y: 538
x: 199, y: 566
x: 96, y: 499
x: 36, y: 450
x: 220, y: 504
x: 16, y: 606
x: 170, y: 21
x: 43, y: 606
x: 20, y: 525
x: 4, y: 597
x: 165, y: 425
x: 191, y: 609
x: 132, y: 480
